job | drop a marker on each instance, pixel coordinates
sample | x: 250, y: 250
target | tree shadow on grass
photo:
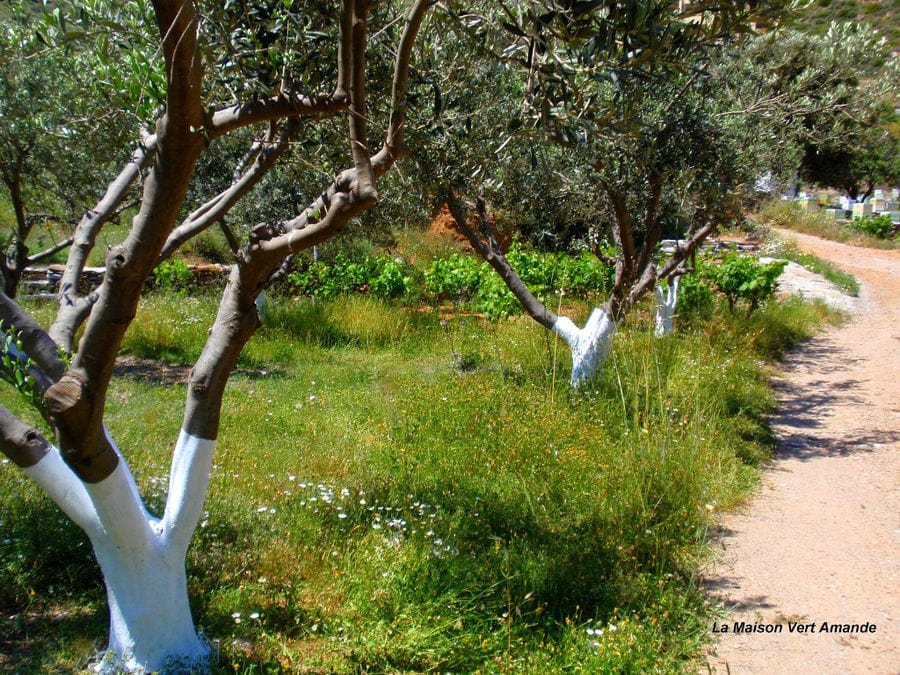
x: 29, y: 638
x: 154, y: 371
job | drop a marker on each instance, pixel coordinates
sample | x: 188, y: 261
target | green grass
x: 375, y: 509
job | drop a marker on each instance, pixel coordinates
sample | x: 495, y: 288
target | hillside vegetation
x: 882, y: 14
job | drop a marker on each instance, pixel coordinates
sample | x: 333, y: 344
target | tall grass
x: 375, y: 507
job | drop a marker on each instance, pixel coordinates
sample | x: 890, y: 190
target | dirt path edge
x: 811, y: 564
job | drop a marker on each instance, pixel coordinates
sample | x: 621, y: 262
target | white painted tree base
x: 142, y: 558
x: 150, y: 624
x: 589, y: 345
x: 666, y: 301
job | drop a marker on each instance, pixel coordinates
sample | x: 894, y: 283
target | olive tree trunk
x: 142, y: 557
x: 636, y: 273
x: 666, y: 300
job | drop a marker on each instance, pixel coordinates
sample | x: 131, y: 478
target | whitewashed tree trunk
x: 666, y: 301
x: 150, y: 626
x: 142, y: 557
x: 589, y: 345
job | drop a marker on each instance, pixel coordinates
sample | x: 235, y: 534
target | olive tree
x: 206, y: 88
x: 626, y: 89
x: 54, y: 142
x: 820, y: 106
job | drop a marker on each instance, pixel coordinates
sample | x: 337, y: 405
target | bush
x: 695, y: 297
x: 382, y: 276
x: 744, y: 278
x: 877, y: 226
x: 461, y: 277
x: 456, y: 277
x: 173, y: 275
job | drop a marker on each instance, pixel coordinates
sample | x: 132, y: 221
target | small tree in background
x: 821, y: 106
x: 55, y: 139
x: 625, y: 89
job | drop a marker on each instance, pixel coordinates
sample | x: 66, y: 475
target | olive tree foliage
x: 625, y: 91
x: 48, y: 167
x: 818, y: 105
x: 469, y: 130
x: 269, y: 74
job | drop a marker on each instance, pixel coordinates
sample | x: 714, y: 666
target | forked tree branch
x: 270, y: 245
x: 267, y: 153
x: 72, y: 307
x: 77, y: 401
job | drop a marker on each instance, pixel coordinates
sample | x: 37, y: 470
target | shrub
x: 461, y: 277
x: 380, y: 275
x: 391, y: 282
x: 744, y: 278
x: 695, y: 297
x: 454, y: 277
x: 173, y: 275
x: 877, y: 226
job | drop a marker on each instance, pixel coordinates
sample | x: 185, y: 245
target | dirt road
x: 820, y: 542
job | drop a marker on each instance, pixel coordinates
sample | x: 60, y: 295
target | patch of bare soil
x: 443, y: 224
x: 819, y: 542
x: 154, y: 371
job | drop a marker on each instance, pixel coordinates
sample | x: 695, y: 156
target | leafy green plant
x: 544, y: 535
x: 455, y: 277
x: 789, y: 215
x: 462, y: 277
x: 743, y: 278
x: 877, y: 226
x: 173, y: 275
x: 695, y: 296
x: 382, y: 276
x: 391, y: 282
x: 15, y: 364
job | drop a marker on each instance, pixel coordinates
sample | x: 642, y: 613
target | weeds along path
x: 820, y: 541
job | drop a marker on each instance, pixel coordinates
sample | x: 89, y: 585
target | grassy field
x: 397, y: 490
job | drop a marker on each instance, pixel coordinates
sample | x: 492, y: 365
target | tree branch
x: 77, y: 401
x: 345, y: 52
x: 50, y: 252
x: 37, y: 344
x: 23, y: 444
x: 284, y: 105
x: 216, y: 208
x: 394, y: 146
x: 365, y: 176
x: 188, y: 483
x: 489, y: 250
x: 72, y: 308
x: 270, y: 245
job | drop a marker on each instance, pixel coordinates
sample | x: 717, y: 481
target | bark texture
x: 85, y: 473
